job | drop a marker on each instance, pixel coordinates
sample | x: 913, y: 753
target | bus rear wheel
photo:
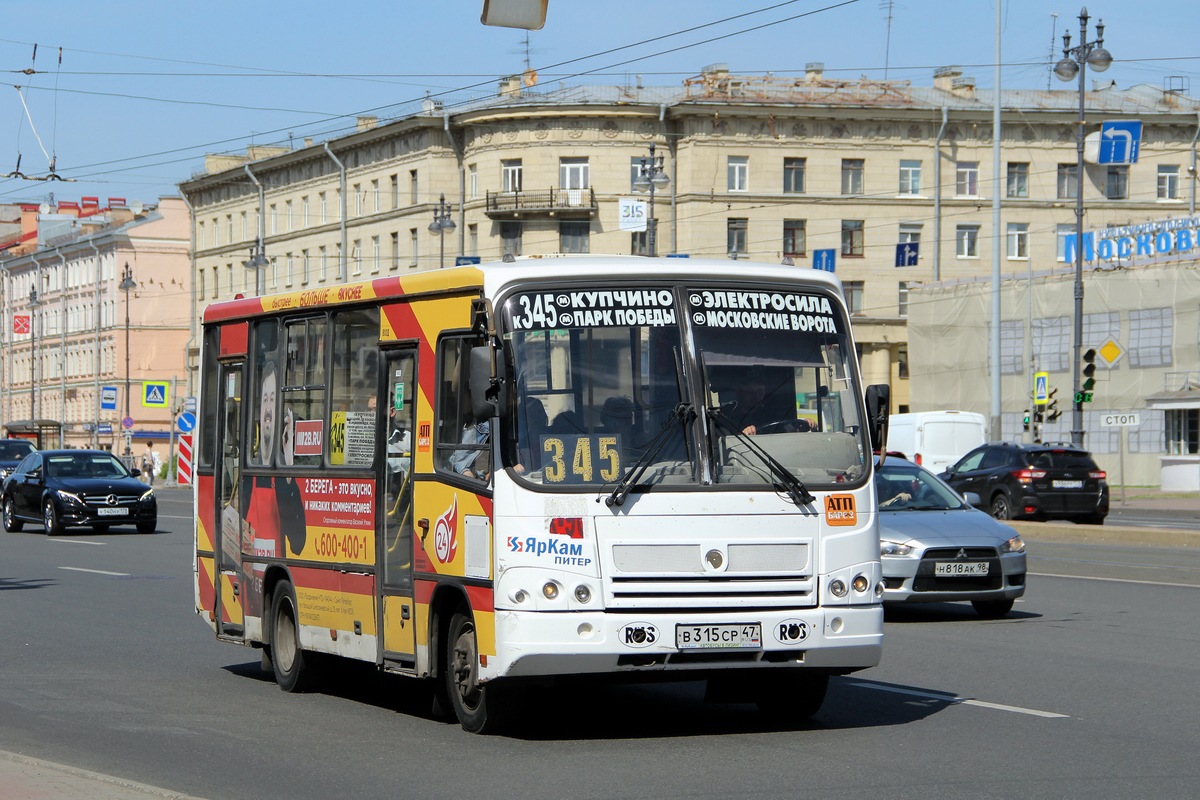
x: 477, y: 706
x: 791, y: 697
x: 293, y: 672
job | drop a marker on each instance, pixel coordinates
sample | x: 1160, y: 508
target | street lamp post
x: 127, y: 285
x: 1074, y: 64
x: 33, y: 304
x: 650, y: 177
x: 441, y: 223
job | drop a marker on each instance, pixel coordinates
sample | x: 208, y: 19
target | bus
x: 541, y: 470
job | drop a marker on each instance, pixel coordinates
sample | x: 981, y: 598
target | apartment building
x: 74, y: 340
x: 889, y: 184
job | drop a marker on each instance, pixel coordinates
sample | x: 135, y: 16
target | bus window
x: 302, y: 391
x: 355, y: 378
x: 463, y: 442
x: 264, y: 426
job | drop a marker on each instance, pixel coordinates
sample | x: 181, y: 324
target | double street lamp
x: 441, y: 223
x: 650, y: 177
x: 127, y: 285
x: 1074, y: 63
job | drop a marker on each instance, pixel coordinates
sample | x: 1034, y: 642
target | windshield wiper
x: 790, y: 484
x: 683, y: 413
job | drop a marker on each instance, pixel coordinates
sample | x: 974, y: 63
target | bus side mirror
x: 488, y: 398
x: 879, y: 397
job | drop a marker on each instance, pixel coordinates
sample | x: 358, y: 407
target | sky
x: 143, y: 92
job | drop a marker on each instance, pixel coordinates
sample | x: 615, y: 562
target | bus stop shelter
x: 44, y: 433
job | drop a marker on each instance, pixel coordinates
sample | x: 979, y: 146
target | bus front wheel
x: 293, y: 672
x: 476, y: 705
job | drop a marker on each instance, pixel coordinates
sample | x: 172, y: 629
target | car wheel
x: 1001, y: 507
x: 148, y: 526
x: 50, y: 518
x: 791, y: 697
x: 11, y: 523
x: 992, y: 609
x: 294, y: 671
x: 480, y: 708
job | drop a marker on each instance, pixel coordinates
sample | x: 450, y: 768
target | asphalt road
x: 1086, y: 690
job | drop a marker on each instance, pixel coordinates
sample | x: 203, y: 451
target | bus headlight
x: 837, y: 587
x: 550, y: 590
x: 583, y: 594
x: 860, y: 583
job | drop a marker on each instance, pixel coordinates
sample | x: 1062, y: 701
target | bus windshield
x: 684, y: 384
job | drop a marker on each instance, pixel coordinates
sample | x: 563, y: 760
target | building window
x: 304, y: 267
x: 1018, y: 240
x: 229, y: 226
x: 910, y: 232
x: 910, y: 177
x: 1068, y: 181
x: 1183, y: 431
x: 510, y: 233
x: 738, y: 174
x: 967, y: 179
x: 290, y: 275
x: 394, y: 255
x: 902, y: 299
x: 395, y: 185
x: 794, y: 240
x: 1018, y: 179
x: 735, y: 236
x: 413, y: 253
x: 852, y: 175
x: 1061, y: 231
x: 510, y: 175
x: 573, y: 237
x: 322, y: 263
x: 793, y: 175
x: 359, y: 198
x: 1168, y: 182
x: 639, y: 243
x: 1012, y: 346
x: 245, y: 227
x: 967, y: 237
x: 572, y: 173
x: 376, y: 206
x: 472, y: 181
x: 1116, y: 182
x: 287, y: 210
x: 1051, y: 343
x: 852, y: 237
x: 356, y: 256
x: 473, y: 239
x: 1150, y: 337
x: 854, y: 295
x: 414, y: 196
x: 274, y: 220
x: 321, y: 207
x: 304, y: 211
x: 376, y: 254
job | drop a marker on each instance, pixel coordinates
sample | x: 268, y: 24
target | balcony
x: 562, y: 203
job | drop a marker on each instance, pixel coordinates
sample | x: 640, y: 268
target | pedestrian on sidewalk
x: 150, y: 463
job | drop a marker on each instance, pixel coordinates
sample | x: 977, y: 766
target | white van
x: 936, y: 439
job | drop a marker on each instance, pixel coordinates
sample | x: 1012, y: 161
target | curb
x: 1105, y: 534
x: 23, y: 776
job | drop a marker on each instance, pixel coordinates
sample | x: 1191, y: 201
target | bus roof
x: 493, y: 277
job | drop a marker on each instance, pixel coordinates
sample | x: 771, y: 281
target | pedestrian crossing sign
x: 154, y: 394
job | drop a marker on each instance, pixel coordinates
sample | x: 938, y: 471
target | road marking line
x: 77, y: 541
x: 1116, y: 580
x: 955, y: 700
x: 98, y: 572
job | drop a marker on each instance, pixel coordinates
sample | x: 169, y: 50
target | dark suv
x: 1040, y: 481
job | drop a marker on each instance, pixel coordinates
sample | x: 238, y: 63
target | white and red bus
x: 562, y: 467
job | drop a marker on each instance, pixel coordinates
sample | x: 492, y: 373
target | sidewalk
x: 24, y: 778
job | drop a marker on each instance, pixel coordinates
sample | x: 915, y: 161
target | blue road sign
x: 907, y: 253
x: 1120, y: 141
x: 463, y: 261
x: 825, y: 259
x: 104, y: 427
x: 108, y: 398
x: 186, y: 421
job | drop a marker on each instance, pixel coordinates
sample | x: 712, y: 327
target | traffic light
x: 1089, y: 375
x: 1052, y: 413
x: 1025, y: 420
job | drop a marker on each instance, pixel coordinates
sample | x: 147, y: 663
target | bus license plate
x: 961, y: 568
x: 710, y: 637
x: 107, y: 511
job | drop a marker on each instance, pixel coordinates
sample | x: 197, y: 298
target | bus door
x: 395, y: 523
x: 231, y: 589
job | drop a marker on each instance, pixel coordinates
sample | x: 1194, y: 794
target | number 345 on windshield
x: 581, y: 459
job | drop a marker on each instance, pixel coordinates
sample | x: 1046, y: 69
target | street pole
x: 33, y: 304
x: 127, y: 285
x: 1073, y: 65
x: 441, y: 223
x: 651, y: 176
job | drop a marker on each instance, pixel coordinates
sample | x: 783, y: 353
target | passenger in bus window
x: 474, y: 462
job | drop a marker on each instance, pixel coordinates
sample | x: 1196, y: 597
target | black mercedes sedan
x: 62, y: 488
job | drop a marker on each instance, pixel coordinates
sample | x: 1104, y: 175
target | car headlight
x: 146, y: 495
x: 891, y: 548
x: 67, y: 497
x: 1014, y: 545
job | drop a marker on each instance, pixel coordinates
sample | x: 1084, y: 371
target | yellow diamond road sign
x: 1111, y: 351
